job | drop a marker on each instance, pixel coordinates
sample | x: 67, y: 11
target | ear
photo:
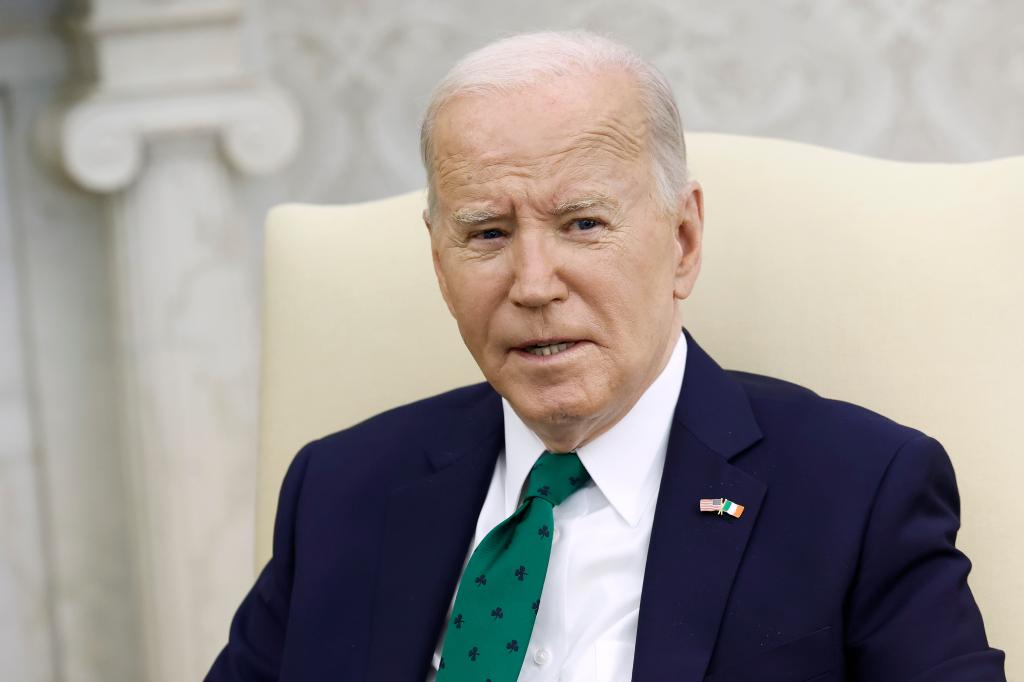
x: 689, y: 234
x: 435, y: 256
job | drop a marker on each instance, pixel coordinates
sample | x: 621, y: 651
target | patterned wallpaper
x: 916, y: 80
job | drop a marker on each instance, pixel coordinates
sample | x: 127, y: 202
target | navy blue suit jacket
x: 842, y: 567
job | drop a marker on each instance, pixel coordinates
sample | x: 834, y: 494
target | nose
x: 535, y: 270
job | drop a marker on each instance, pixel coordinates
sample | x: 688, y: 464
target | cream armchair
x: 893, y: 285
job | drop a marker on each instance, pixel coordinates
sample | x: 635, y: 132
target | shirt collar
x: 624, y: 462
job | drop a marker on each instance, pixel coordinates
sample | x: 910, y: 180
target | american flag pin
x: 721, y: 506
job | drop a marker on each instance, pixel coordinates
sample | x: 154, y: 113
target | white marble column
x: 172, y: 123
x: 26, y: 629
x: 30, y: 649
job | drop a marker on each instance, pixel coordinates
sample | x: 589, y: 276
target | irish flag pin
x: 722, y: 506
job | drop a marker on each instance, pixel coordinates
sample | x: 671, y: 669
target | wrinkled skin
x: 547, y: 227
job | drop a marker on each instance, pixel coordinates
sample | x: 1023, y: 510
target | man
x: 611, y: 504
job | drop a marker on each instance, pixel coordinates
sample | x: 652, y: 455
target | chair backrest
x: 893, y: 285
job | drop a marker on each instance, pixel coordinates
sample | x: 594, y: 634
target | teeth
x: 552, y: 349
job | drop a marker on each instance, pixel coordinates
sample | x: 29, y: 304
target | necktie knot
x: 555, y: 476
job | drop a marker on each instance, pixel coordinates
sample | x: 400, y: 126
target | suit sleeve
x: 258, y: 630
x: 910, y: 614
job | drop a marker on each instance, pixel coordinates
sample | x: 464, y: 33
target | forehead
x: 587, y: 129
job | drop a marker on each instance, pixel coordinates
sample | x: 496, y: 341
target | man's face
x: 553, y: 252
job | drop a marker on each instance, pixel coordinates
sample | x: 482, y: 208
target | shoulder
x: 780, y: 404
x: 821, y: 434
x: 846, y: 462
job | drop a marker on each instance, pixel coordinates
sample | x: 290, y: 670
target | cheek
x: 622, y: 285
x: 631, y: 294
x: 476, y: 297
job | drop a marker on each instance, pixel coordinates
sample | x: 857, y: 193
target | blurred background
x: 141, y: 143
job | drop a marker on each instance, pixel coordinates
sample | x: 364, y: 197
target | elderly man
x: 611, y: 504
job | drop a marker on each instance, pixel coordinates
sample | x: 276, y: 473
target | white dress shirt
x: 586, y: 624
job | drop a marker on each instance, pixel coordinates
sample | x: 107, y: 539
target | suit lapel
x: 693, y: 557
x: 428, y: 530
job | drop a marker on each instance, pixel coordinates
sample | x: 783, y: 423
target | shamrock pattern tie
x: 499, y: 594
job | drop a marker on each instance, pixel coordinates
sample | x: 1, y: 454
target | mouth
x: 546, y: 347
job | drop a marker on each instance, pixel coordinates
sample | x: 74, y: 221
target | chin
x: 561, y: 402
x: 555, y: 411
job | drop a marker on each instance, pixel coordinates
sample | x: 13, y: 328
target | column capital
x: 150, y: 69
x: 99, y: 140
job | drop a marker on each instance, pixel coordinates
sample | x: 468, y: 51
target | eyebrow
x: 470, y: 217
x: 474, y: 216
x: 583, y: 204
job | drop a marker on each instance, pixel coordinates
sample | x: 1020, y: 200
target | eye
x: 586, y: 223
x: 490, y: 234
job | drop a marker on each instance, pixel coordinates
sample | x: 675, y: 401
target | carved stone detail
x: 99, y: 140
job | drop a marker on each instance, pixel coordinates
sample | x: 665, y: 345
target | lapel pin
x: 722, y: 506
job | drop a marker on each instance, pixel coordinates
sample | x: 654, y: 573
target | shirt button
x: 541, y: 657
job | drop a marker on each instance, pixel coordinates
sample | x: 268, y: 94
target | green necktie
x: 498, y: 597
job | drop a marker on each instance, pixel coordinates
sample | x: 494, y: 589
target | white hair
x: 521, y: 60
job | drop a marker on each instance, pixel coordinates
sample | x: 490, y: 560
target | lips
x: 546, y: 347
x: 550, y: 349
